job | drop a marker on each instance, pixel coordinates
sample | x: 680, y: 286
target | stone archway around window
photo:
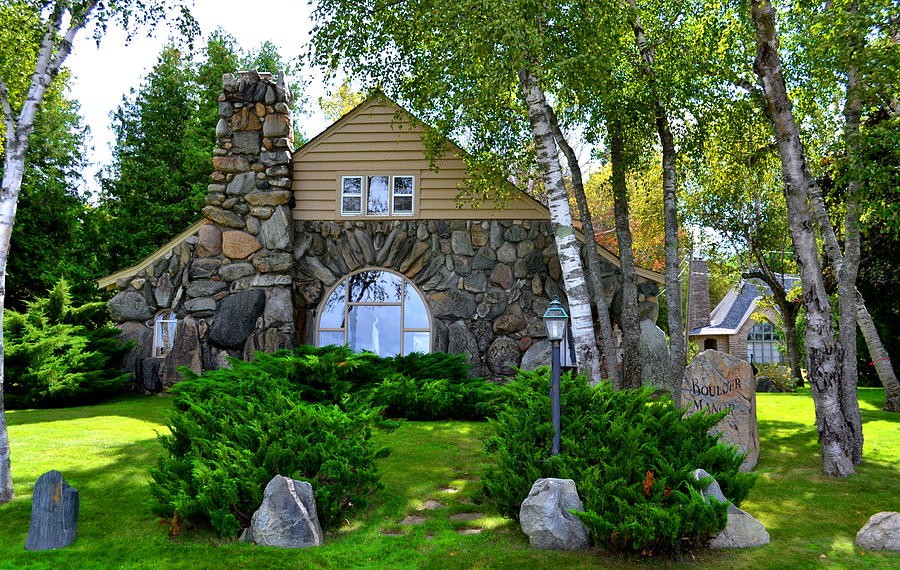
x: 376, y: 310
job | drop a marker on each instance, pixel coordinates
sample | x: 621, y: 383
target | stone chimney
x: 244, y: 255
x: 698, y: 302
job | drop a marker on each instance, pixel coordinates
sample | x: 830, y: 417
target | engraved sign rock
x: 718, y: 381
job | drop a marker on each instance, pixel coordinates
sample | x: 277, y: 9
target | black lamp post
x: 555, y: 320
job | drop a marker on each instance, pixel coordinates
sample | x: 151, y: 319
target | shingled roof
x: 733, y: 311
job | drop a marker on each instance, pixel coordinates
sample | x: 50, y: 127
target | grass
x: 105, y: 451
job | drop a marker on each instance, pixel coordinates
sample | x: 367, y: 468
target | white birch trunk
x: 595, y: 265
x: 53, y: 52
x: 823, y: 353
x: 567, y: 245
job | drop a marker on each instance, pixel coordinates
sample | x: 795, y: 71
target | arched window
x: 710, y: 344
x: 762, y: 347
x: 375, y: 310
x: 164, y: 325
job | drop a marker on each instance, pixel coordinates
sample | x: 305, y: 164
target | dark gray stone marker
x: 54, y: 513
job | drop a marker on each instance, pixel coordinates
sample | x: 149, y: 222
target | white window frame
x: 362, y: 195
x: 164, y: 317
x: 412, y: 195
x: 364, y: 183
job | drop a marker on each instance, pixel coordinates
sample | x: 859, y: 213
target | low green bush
x: 629, y: 455
x: 233, y: 430
x: 60, y: 355
x: 417, y: 386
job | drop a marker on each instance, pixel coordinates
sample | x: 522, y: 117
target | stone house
x: 350, y: 239
x: 730, y: 327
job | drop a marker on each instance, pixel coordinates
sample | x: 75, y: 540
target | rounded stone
x: 503, y: 356
x: 239, y: 245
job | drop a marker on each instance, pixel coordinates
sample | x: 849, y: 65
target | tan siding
x: 368, y: 140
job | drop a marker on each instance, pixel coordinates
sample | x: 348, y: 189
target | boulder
x: 881, y: 532
x: 238, y: 244
x: 142, y: 336
x: 654, y: 351
x: 742, y: 530
x: 718, y: 381
x: 54, y: 513
x: 209, y: 241
x: 537, y: 355
x: 460, y: 340
x: 129, y: 306
x: 150, y: 378
x: 185, y: 352
x: 287, y: 517
x: 275, y: 232
x: 236, y: 318
x: 452, y: 304
x: 503, y: 355
x: 279, y: 309
x: 546, y: 519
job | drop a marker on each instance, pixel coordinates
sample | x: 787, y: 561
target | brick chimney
x: 698, y: 301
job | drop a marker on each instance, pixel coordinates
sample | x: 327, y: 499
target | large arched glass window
x: 378, y: 311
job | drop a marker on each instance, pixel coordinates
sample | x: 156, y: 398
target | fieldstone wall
x: 230, y: 284
x: 486, y: 283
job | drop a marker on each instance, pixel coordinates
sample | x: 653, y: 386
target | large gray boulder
x: 54, y: 513
x: 654, y: 352
x: 129, y: 306
x: 742, y: 530
x: 287, y: 517
x: 546, y: 519
x: 718, y: 381
x: 881, y: 532
x: 236, y: 318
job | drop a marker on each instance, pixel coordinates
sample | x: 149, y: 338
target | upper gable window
x: 378, y: 195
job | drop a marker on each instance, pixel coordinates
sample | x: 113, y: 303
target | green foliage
x: 631, y: 458
x: 60, y: 355
x: 416, y: 386
x: 227, y: 444
x: 780, y: 376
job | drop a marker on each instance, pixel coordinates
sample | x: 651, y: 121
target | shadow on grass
x: 146, y: 408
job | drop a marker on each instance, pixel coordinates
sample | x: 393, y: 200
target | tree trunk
x: 879, y: 356
x: 677, y: 351
x: 631, y: 343
x: 53, y: 52
x: 823, y: 353
x: 788, y: 310
x: 567, y: 245
x: 849, y: 265
x: 595, y: 265
x: 13, y: 169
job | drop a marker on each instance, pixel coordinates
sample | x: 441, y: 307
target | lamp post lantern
x: 555, y: 320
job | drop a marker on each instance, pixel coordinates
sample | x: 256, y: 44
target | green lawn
x: 105, y: 450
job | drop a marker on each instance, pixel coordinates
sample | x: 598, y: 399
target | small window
x: 351, y: 195
x: 402, y: 195
x: 378, y: 195
x: 164, y: 325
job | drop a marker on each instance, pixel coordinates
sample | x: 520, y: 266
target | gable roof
x: 733, y: 311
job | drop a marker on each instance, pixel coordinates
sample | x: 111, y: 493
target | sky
x: 103, y: 76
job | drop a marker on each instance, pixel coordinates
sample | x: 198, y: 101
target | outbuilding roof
x: 733, y: 311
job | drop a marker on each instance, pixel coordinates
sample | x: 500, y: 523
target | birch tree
x: 60, y: 21
x: 836, y: 420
